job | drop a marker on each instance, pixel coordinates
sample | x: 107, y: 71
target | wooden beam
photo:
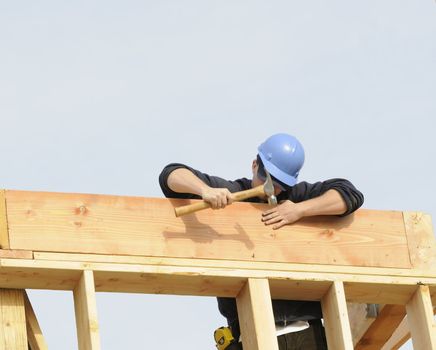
x: 421, y: 321
x: 4, y: 233
x: 13, y: 320
x: 400, y: 336
x: 34, y: 334
x: 360, y: 319
x: 335, y: 314
x: 115, y: 225
x: 256, y: 317
x: 382, y: 328
x: 16, y: 254
x: 85, y: 307
x: 207, y: 281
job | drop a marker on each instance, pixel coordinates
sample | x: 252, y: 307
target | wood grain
x: 101, y: 224
x: 13, y: 333
x: 4, y: 236
x: 34, y: 334
x: 85, y: 307
x: 380, y: 331
x: 421, y: 321
x: 335, y: 314
x: 256, y: 317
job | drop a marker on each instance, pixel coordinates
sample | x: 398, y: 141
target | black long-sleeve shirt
x: 285, y: 311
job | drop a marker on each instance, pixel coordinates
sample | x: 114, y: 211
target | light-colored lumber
x: 210, y: 281
x: 400, y: 336
x: 85, y: 307
x: 4, y: 235
x: 381, y: 330
x: 16, y: 254
x: 34, y: 334
x: 232, y: 264
x: 360, y: 320
x: 335, y: 314
x: 13, y: 320
x: 115, y: 225
x: 421, y: 241
x: 420, y: 319
x: 256, y: 317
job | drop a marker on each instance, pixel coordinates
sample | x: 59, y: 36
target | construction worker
x: 298, y: 323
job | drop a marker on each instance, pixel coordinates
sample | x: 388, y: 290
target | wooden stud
x: 335, y: 314
x: 85, y: 307
x: 421, y: 321
x: 4, y: 234
x: 256, y: 317
x: 34, y: 334
x: 13, y: 320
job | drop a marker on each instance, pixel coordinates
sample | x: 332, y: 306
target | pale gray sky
x: 97, y: 96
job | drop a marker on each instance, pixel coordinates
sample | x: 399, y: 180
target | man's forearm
x: 329, y: 203
x: 183, y: 180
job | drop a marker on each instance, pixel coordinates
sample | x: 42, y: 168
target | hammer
x: 266, y: 189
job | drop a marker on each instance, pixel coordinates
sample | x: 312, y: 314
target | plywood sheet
x: 116, y: 225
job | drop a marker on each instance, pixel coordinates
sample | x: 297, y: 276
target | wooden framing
x: 4, y: 234
x: 34, y: 334
x: 93, y: 243
x: 337, y: 325
x: 256, y: 315
x: 13, y: 333
x: 85, y: 307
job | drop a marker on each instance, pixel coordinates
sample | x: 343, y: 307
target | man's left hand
x: 285, y: 213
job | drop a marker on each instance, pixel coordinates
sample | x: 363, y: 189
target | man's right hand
x: 217, y: 197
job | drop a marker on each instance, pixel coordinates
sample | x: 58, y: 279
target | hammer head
x: 268, y: 188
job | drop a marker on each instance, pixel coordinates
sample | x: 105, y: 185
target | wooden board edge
x: 420, y: 240
x: 4, y: 231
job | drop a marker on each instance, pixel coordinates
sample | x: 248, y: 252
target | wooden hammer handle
x: 237, y: 196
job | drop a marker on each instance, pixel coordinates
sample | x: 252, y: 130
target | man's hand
x: 285, y: 213
x: 217, y: 197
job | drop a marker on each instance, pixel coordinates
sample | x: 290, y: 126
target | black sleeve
x: 212, y: 181
x: 304, y: 190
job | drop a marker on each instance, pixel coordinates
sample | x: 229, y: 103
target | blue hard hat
x: 283, y: 157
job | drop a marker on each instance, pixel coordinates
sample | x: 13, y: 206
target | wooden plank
x: 101, y: 224
x: 421, y: 241
x: 13, y: 320
x: 421, y: 321
x: 16, y: 254
x: 400, y: 336
x: 4, y: 234
x: 85, y: 307
x: 360, y: 320
x: 232, y: 264
x: 382, y: 328
x: 335, y: 314
x: 218, y: 281
x: 34, y: 334
x: 256, y: 317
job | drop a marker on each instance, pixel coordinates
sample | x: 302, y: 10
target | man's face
x: 257, y: 181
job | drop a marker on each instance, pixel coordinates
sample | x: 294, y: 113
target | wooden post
x: 13, y: 320
x: 256, y: 317
x: 420, y: 320
x: 335, y: 314
x: 85, y: 307
x: 34, y: 333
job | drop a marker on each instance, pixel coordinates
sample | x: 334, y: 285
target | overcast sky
x: 97, y: 96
